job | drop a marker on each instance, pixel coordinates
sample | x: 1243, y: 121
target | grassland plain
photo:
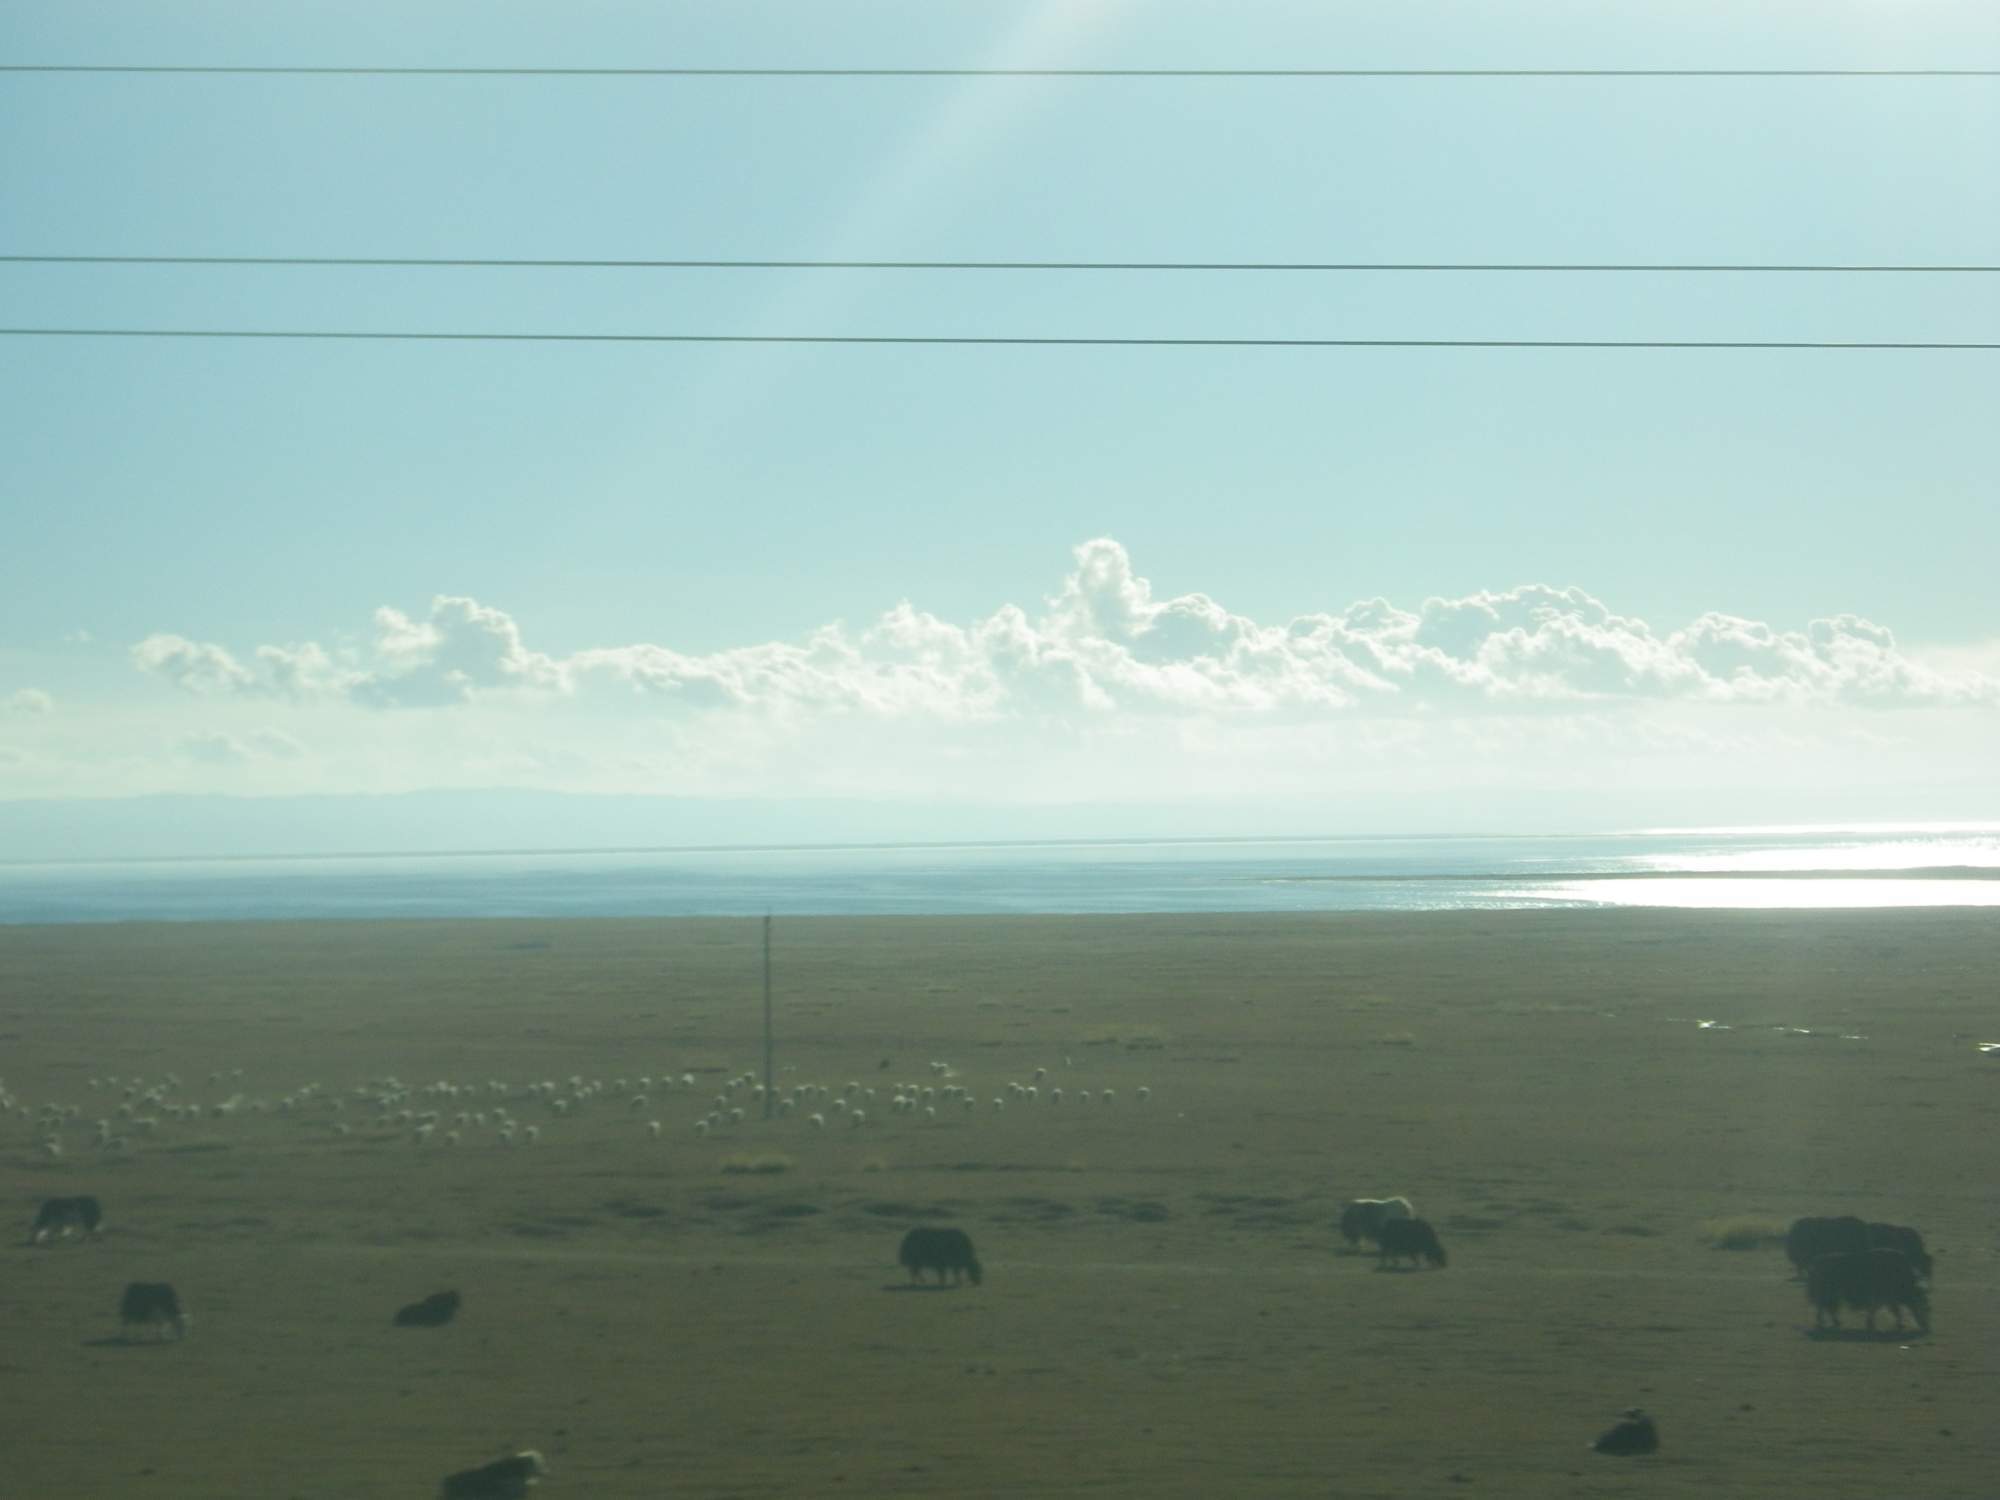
x: 1167, y: 1307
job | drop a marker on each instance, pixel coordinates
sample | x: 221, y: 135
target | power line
x: 406, y: 336
x: 1470, y: 267
x: 506, y: 72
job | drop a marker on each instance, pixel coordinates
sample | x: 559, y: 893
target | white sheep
x: 818, y: 1122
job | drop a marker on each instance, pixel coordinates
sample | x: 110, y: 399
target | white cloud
x: 1103, y: 646
x: 29, y: 701
x: 192, y: 665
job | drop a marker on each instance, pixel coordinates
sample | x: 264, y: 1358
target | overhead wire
x: 1026, y: 341
x: 373, y: 71
x: 724, y: 264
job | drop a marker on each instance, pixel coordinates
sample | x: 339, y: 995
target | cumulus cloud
x: 463, y: 647
x: 29, y: 701
x: 1103, y: 644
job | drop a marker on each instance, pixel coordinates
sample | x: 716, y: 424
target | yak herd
x: 1845, y: 1262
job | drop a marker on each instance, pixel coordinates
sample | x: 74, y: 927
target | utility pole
x: 770, y: 1081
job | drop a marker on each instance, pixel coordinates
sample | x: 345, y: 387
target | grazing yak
x: 1866, y: 1280
x: 436, y: 1310
x: 504, y: 1479
x: 1636, y: 1434
x: 1411, y: 1239
x: 1902, y: 1237
x: 153, y: 1304
x: 945, y: 1251
x: 1363, y: 1218
x: 1810, y: 1238
x: 59, y: 1217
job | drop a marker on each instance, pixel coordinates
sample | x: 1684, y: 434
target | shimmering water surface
x: 1762, y: 868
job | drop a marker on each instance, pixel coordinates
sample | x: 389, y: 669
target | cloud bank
x: 1104, y: 646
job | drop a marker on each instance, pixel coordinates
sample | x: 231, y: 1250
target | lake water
x: 1729, y: 868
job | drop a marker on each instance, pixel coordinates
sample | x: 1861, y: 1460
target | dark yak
x: 1903, y: 1238
x: 436, y: 1310
x: 1636, y: 1434
x: 1866, y: 1280
x: 1411, y: 1239
x: 945, y: 1251
x: 1810, y: 1238
x: 504, y: 1479
x: 58, y: 1216
x: 1363, y: 1218
x: 152, y: 1304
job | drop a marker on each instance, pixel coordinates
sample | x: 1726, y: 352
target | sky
x: 1400, y: 588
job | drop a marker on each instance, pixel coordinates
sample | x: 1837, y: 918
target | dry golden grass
x: 1167, y: 1309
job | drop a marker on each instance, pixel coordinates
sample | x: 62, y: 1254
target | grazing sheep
x: 1409, y: 1239
x: 1144, y: 1093
x: 1363, y: 1218
x: 946, y: 1251
x: 504, y: 1479
x: 153, y: 1304
x: 436, y: 1310
x: 1636, y: 1434
x: 817, y: 1121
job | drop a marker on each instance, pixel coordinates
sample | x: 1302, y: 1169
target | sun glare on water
x: 1774, y: 894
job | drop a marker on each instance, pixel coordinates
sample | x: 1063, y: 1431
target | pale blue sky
x: 708, y: 501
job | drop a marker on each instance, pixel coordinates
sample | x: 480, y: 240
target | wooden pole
x: 770, y: 1082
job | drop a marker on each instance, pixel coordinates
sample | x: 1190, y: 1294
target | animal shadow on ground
x: 126, y: 1341
x: 921, y: 1286
x: 1387, y: 1269
x: 1864, y: 1335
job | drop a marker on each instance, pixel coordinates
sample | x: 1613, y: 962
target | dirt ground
x: 1167, y: 1307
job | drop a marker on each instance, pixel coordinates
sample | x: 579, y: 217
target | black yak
x: 1411, y: 1239
x: 945, y: 1251
x: 1808, y: 1239
x: 1902, y: 1237
x: 504, y: 1479
x: 1363, y: 1218
x: 58, y: 1217
x: 436, y: 1310
x: 1866, y: 1280
x: 152, y: 1304
x: 1636, y: 1434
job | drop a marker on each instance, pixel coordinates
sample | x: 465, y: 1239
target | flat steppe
x: 1167, y: 1308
